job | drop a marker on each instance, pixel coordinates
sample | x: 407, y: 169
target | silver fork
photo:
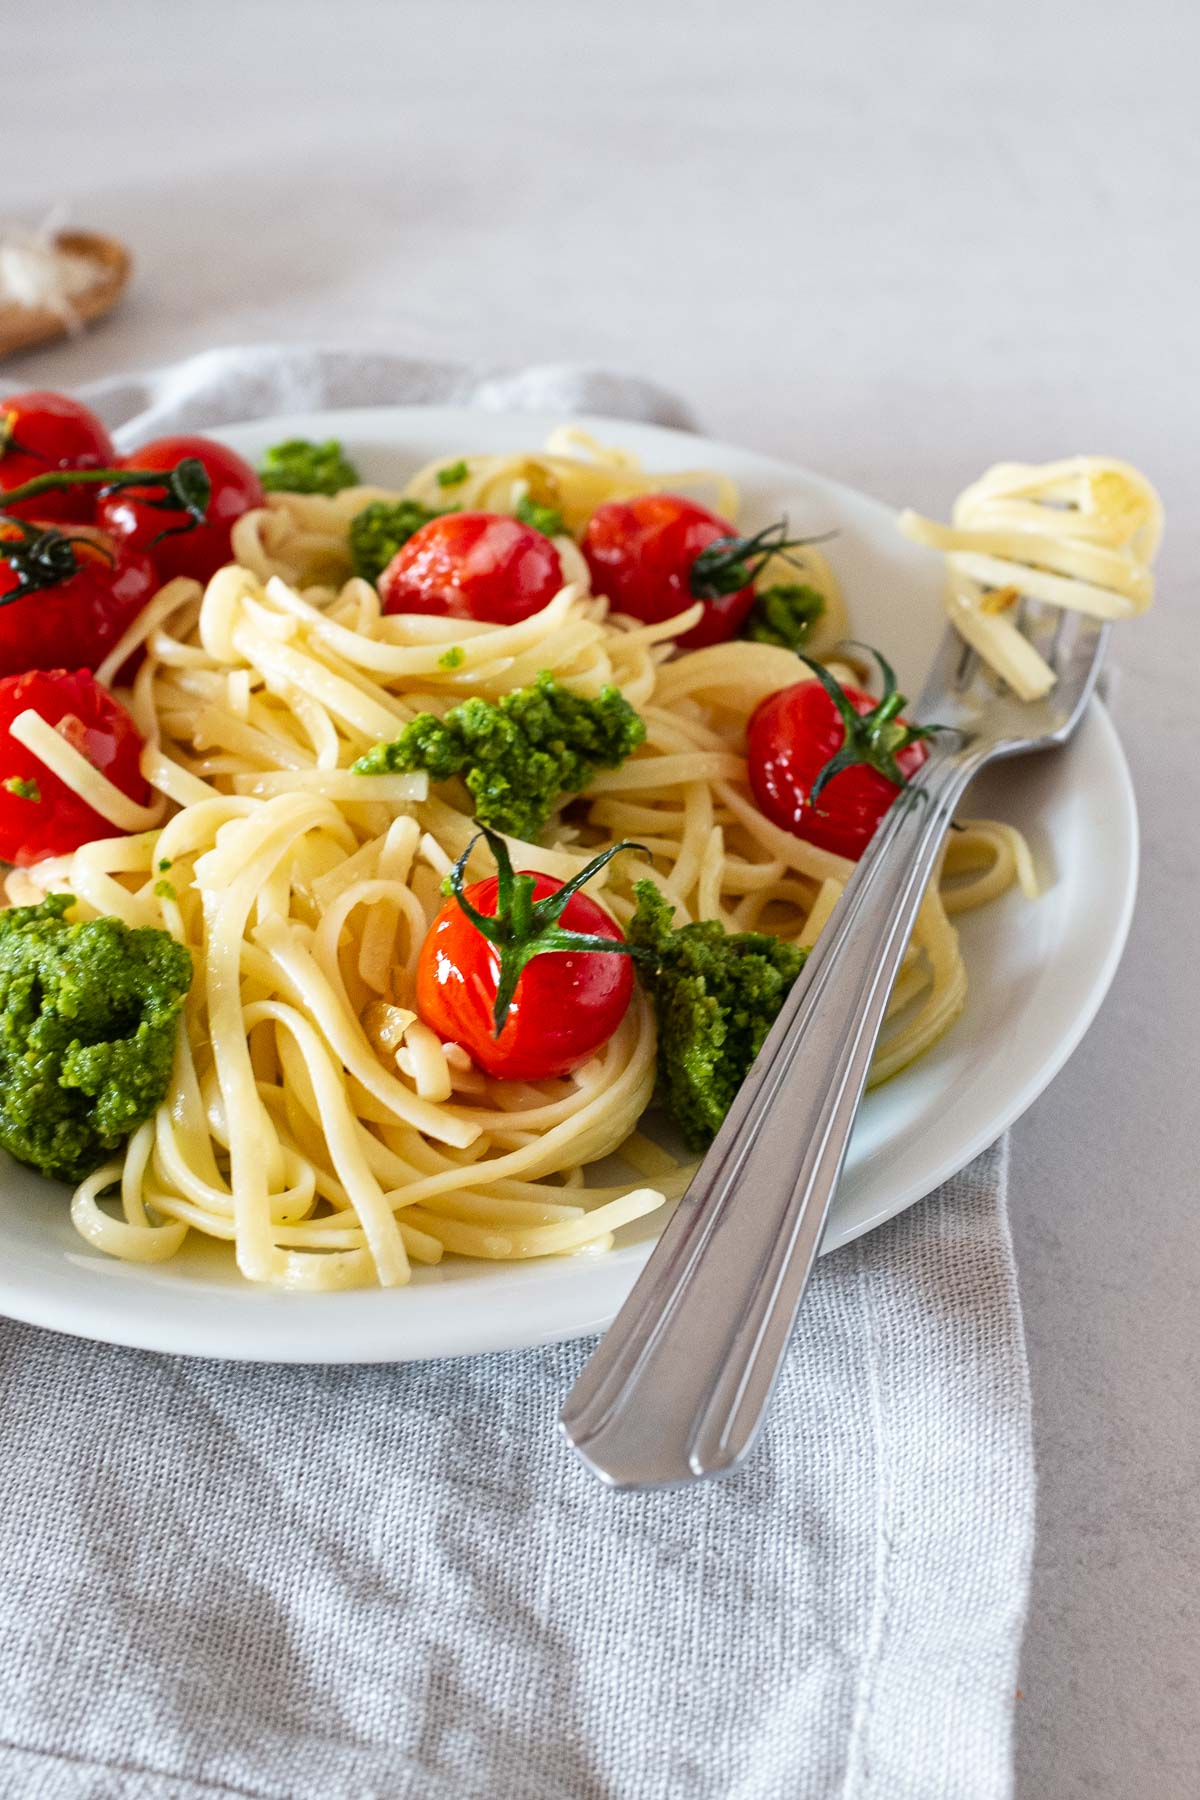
x: 680, y: 1385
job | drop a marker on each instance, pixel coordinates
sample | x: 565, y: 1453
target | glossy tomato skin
x: 41, y: 432
x: 791, y: 736
x: 565, y: 1007
x: 98, y: 727
x: 473, y: 565
x: 79, y: 620
x: 641, y: 552
x: 203, y: 549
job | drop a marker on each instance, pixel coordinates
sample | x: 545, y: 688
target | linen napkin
x: 391, y: 1582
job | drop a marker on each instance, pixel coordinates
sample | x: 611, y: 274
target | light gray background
x: 892, y: 242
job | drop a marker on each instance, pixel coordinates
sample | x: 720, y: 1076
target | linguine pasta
x: 1079, y: 534
x: 313, y: 1120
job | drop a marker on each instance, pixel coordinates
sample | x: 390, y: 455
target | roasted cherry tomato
x: 189, y: 549
x: 653, y: 559
x: 39, y: 814
x: 799, y: 733
x: 566, y: 1003
x: 79, y: 616
x: 473, y: 565
x: 41, y: 432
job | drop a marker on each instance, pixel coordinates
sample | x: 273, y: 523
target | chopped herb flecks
x: 545, y: 519
x: 298, y: 466
x: 785, y: 615
x: 88, y: 1017
x: 517, y: 756
x: 379, y: 530
x: 716, y: 995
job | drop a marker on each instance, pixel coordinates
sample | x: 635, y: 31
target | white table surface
x: 895, y: 243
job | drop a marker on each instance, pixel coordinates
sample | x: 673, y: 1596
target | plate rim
x: 98, y: 1316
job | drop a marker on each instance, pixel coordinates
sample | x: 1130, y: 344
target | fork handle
x: 681, y: 1382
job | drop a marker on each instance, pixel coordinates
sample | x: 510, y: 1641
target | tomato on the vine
x: 655, y: 555
x: 473, y: 565
x: 187, y: 548
x: 826, y: 761
x: 41, y: 432
x: 528, y: 974
x: 40, y: 815
x: 66, y: 596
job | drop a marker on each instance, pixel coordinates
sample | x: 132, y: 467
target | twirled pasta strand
x: 1079, y: 534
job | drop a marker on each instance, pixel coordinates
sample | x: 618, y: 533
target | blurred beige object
x: 55, y: 283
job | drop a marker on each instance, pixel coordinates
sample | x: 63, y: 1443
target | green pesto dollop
x: 87, y: 1033
x: 784, y: 615
x: 379, y: 530
x: 546, y: 519
x: 518, y: 755
x: 716, y: 995
x: 298, y: 466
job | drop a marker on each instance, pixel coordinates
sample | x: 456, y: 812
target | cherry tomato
x: 78, y: 619
x: 41, y: 432
x: 473, y: 565
x: 642, y: 553
x: 791, y: 736
x: 39, y: 814
x: 566, y: 1005
x: 202, y: 549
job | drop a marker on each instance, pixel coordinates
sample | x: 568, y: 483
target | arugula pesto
x: 785, y: 615
x: 298, y: 466
x: 546, y: 519
x: 382, y: 528
x: 716, y: 995
x: 87, y: 1033
x: 519, y: 755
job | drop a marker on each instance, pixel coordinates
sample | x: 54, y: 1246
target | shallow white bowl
x: 1037, y: 975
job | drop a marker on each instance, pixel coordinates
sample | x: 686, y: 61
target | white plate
x: 1037, y: 975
